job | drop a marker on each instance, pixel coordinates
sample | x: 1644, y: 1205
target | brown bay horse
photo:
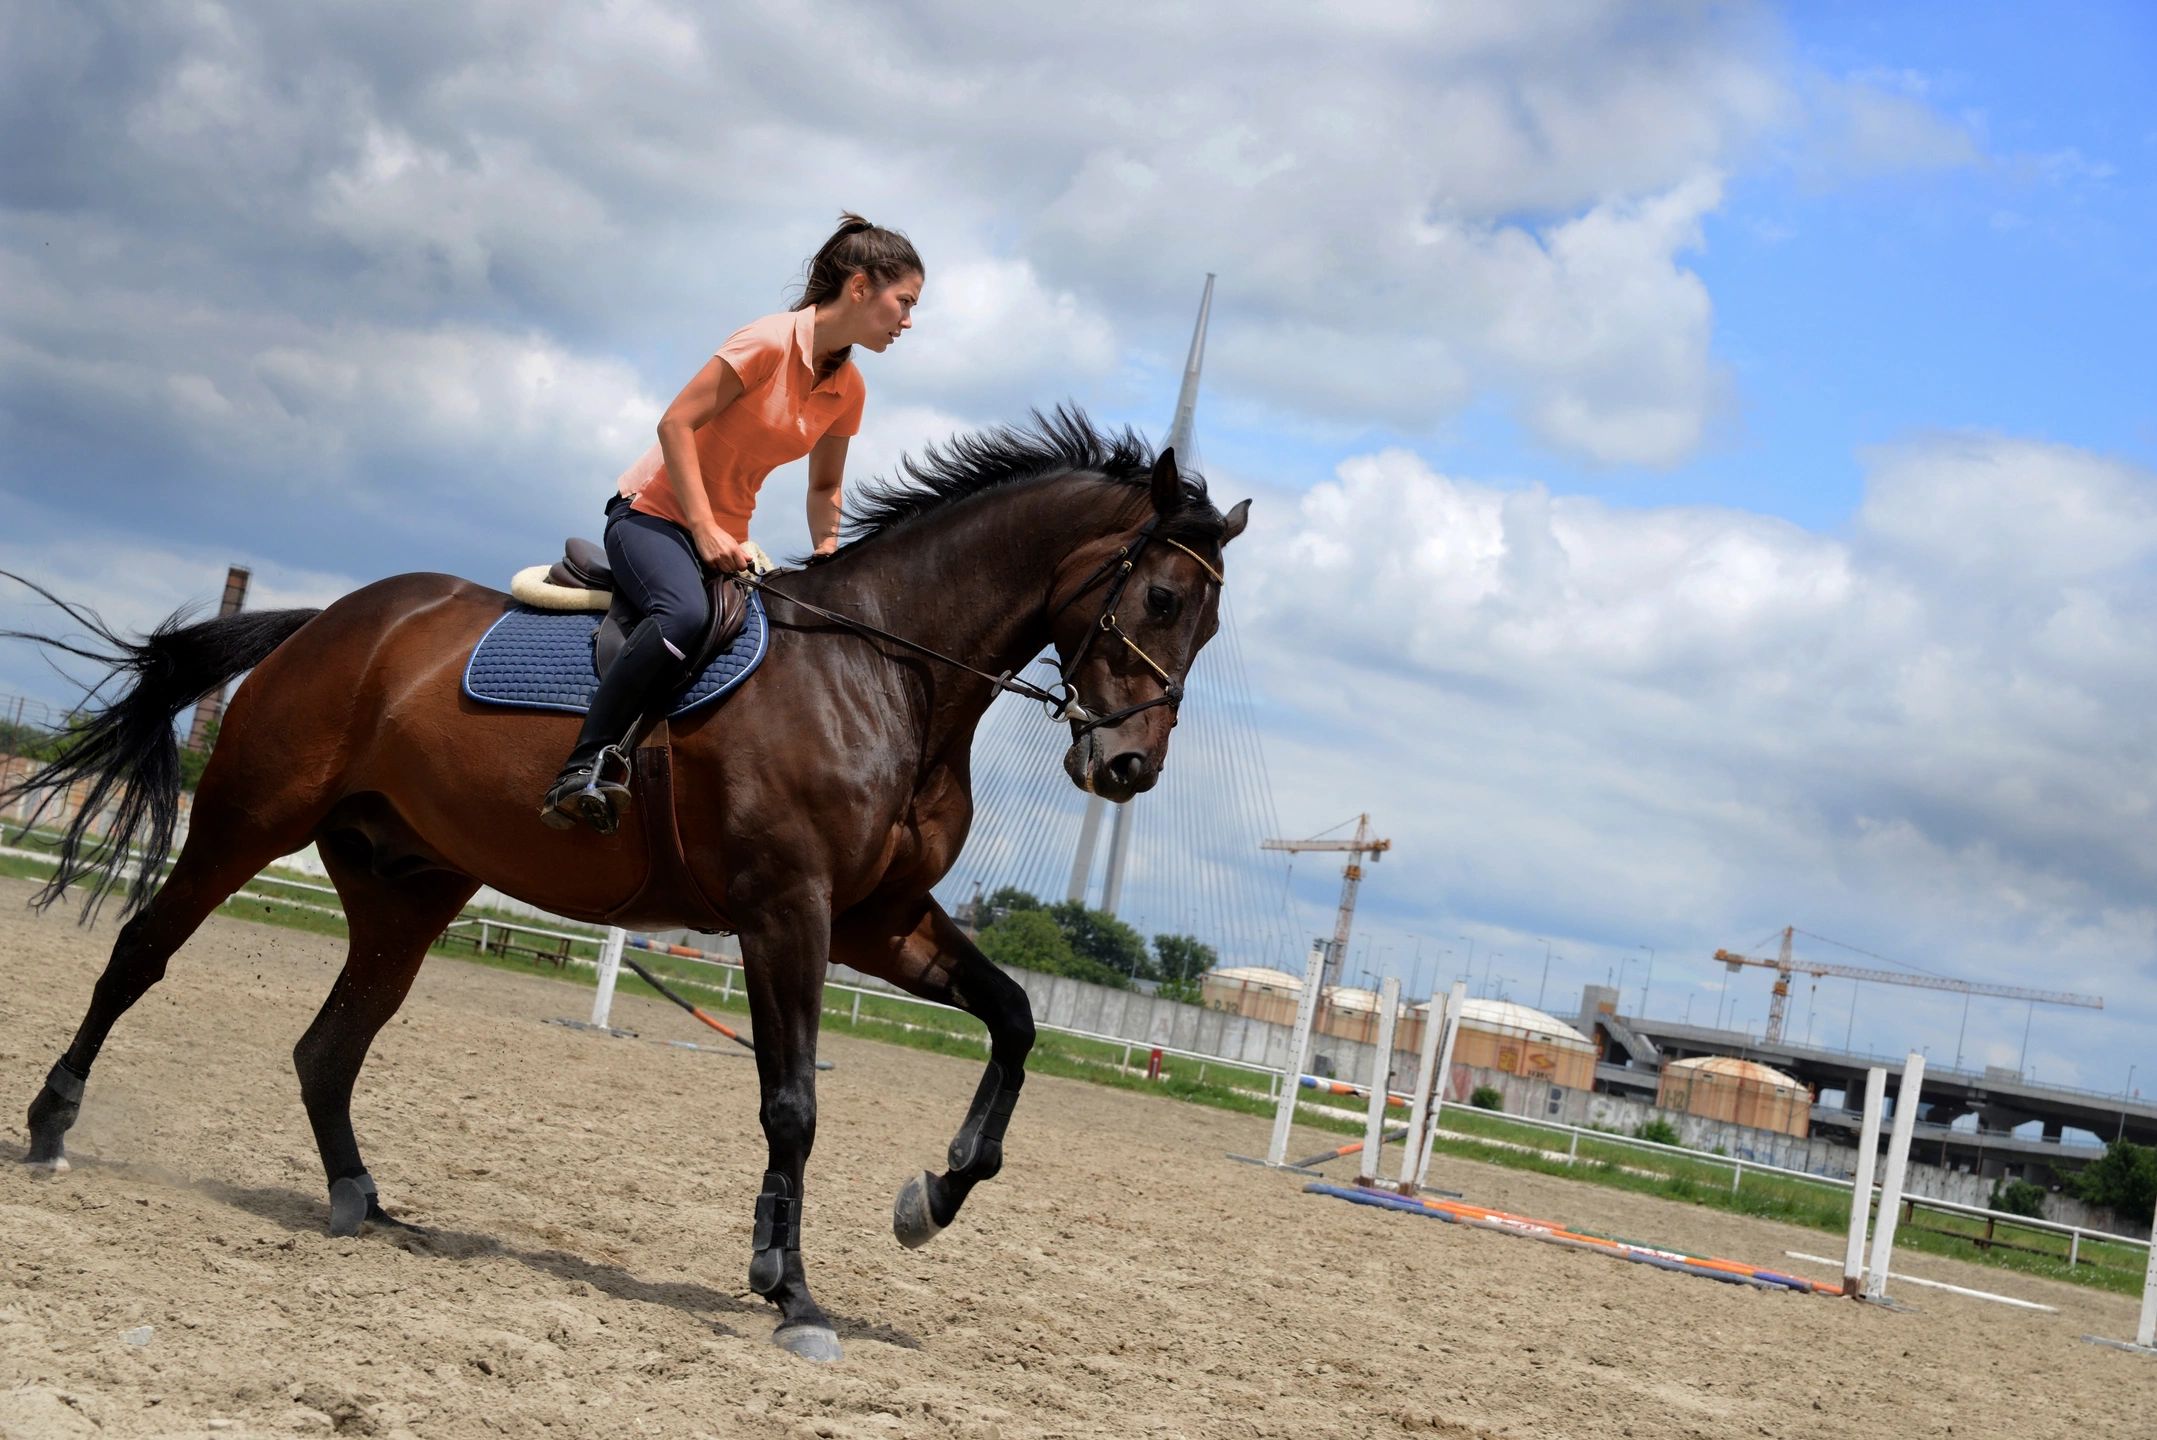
x: 817, y: 806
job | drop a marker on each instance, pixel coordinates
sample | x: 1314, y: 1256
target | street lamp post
x: 1545, y: 985
x: 1649, y: 984
x: 1621, y: 982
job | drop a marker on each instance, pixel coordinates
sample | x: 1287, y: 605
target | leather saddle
x: 583, y: 566
x: 669, y: 886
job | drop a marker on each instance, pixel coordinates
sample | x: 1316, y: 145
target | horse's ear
x: 1167, y: 484
x: 1237, y: 519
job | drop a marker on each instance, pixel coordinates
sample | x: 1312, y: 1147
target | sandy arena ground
x: 589, y: 1201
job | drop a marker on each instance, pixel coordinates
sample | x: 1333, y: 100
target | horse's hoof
x: 57, y: 1165
x: 814, y: 1343
x: 351, y: 1203
x: 910, y: 1217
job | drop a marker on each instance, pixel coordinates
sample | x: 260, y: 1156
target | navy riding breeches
x: 655, y: 565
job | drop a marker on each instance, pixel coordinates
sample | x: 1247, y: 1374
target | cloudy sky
x: 1705, y: 472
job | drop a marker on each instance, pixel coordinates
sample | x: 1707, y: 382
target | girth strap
x: 670, y: 891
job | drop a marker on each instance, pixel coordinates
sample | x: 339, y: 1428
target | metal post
x: 2146, y: 1331
x: 1737, y: 1175
x: 726, y: 984
x: 1868, y: 1154
x: 1284, y: 1113
x: 1455, y: 1004
x: 1419, y: 1117
x: 1898, y: 1166
x: 1374, y: 1126
x: 610, y: 966
x: 855, y: 1018
x: 1572, y: 1149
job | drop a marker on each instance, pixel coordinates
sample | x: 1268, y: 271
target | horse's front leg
x: 784, y: 954
x: 935, y: 960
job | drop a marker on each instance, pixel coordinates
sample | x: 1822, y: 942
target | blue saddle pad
x: 542, y: 660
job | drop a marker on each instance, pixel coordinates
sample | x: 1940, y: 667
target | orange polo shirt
x: 783, y: 411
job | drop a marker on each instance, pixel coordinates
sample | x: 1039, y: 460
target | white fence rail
x: 730, y: 978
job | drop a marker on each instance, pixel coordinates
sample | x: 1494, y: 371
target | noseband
x: 1116, y: 572
x: 1060, y: 699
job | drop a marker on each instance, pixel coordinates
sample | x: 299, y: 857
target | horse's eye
x: 1160, y: 602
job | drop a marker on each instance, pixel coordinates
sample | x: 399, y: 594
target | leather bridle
x: 1060, y: 699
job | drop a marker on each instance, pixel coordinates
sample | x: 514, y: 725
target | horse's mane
x: 1063, y: 442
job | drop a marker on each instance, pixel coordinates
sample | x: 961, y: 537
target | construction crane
x: 1358, y: 845
x: 1784, y: 967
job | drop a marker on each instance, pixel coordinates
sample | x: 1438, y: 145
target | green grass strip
x: 1470, y: 1134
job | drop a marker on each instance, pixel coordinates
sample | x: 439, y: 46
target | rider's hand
x: 719, y: 550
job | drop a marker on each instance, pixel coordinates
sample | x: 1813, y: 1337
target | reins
x: 1060, y: 702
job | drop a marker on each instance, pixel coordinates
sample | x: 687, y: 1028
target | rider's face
x: 888, y: 313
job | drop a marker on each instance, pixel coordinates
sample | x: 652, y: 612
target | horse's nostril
x: 1131, y: 768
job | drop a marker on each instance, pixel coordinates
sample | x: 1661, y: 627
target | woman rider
x: 780, y: 388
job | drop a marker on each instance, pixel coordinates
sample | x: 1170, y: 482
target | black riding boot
x: 595, y: 789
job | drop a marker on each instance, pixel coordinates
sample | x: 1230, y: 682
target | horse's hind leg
x: 209, y: 870
x: 937, y: 962
x: 392, y: 924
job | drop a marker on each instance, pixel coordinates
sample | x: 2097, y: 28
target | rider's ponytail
x: 885, y: 256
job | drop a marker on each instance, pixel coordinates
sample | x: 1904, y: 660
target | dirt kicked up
x: 588, y: 1202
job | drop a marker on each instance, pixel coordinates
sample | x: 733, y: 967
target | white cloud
x: 1671, y: 722
x: 1872, y: 125
x: 1408, y: 209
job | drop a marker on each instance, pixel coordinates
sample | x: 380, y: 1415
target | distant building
x: 1741, y: 1092
x: 1494, y: 1034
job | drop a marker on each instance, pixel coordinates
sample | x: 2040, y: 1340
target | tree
x: 1180, y: 959
x: 31, y: 742
x: 1004, y: 901
x: 1100, y: 937
x: 1028, y: 940
x: 2020, y: 1197
x: 2124, y: 1182
x: 1032, y: 940
x: 193, y: 762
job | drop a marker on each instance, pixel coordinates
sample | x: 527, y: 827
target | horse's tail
x: 126, y: 751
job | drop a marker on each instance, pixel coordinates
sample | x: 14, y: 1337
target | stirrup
x: 587, y: 794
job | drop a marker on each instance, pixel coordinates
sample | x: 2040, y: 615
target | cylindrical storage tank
x: 1253, y: 991
x: 1738, y: 1092
x: 1516, y: 1039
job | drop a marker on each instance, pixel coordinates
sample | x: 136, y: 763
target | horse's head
x: 1131, y: 615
